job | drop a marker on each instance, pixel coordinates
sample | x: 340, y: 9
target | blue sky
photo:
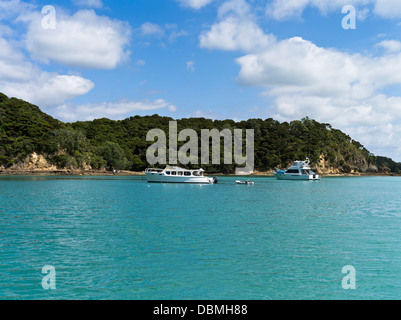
x: 219, y: 59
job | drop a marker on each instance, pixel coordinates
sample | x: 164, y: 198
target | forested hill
x: 31, y: 139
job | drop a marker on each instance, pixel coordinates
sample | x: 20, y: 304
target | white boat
x: 300, y: 170
x: 245, y: 182
x: 178, y: 175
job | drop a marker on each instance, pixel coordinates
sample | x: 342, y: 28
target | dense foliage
x: 104, y: 143
x: 23, y: 130
x: 387, y: 164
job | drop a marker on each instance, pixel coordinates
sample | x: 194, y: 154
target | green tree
x: 70, y: 140
x: 114, y: 156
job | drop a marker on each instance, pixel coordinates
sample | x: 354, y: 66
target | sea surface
x: 122, y: 238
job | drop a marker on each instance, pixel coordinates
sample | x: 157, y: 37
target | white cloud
x: 362, y: 14
x: 172, y: 108
x: 390, y: 45
x: 116, y: 110
x: 20, y: 78
x: 149, y: 28
x: 140, y: 62
x: 236, y: 30
x: 175, y: 33
x: 286, y: 9
x: 195, y: 4
x: 47, y: 89
x: 169, y: 30
x: 83, y: 40
x: 279, y: 9
x: 232, y: 34
x: 12, y: 8
x: 328, y: 85
x: 388, y: 8
x: 384, y: 138
x: 89, y: 3
x: 299, y: 67
x: 296, y: 64
x: 238, y: 7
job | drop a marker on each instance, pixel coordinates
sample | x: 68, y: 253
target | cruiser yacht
x: 300, y: 170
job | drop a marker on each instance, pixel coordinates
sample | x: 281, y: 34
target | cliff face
x: 38, y: 163
x: 34, y: 162
x: 324, y: 167
x: 357, y: 165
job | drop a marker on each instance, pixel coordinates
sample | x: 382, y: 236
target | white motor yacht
x: 178, y: 175
x: 300, y: 170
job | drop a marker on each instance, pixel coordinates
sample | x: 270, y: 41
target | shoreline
x: 139, y: 174
x: 68, y: 173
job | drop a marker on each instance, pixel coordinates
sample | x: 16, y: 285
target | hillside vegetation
x: 106, y: 144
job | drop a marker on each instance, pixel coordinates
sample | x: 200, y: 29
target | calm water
x: 121, y: 238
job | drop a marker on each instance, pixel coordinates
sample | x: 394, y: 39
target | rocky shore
x: 68, y: 172
x: 37, y: 165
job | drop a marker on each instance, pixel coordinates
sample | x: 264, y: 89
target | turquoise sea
x: 122, y: 238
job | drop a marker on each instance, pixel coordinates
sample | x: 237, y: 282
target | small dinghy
x: 244, y: 182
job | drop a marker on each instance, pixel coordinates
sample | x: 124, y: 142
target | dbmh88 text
x: 222, y: 309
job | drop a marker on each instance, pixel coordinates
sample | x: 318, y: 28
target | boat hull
x: 297, y: 177
x: 245, y: 182
x: 160, y: 178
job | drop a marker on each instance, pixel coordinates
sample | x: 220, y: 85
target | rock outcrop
x: 34, y: 162
x: 38, y: 162
x: 358, y: 165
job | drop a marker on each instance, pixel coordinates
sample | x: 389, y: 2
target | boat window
x: 197, y: 174
x: 292, y: 171
x: 173, y: 173
x: 187, y: 173
x: 180, y: 173
x: 167, y: 173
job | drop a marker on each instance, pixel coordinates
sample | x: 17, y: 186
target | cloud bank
x: 300, y: 79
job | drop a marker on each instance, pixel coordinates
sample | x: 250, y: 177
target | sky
x: 220, y: 59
